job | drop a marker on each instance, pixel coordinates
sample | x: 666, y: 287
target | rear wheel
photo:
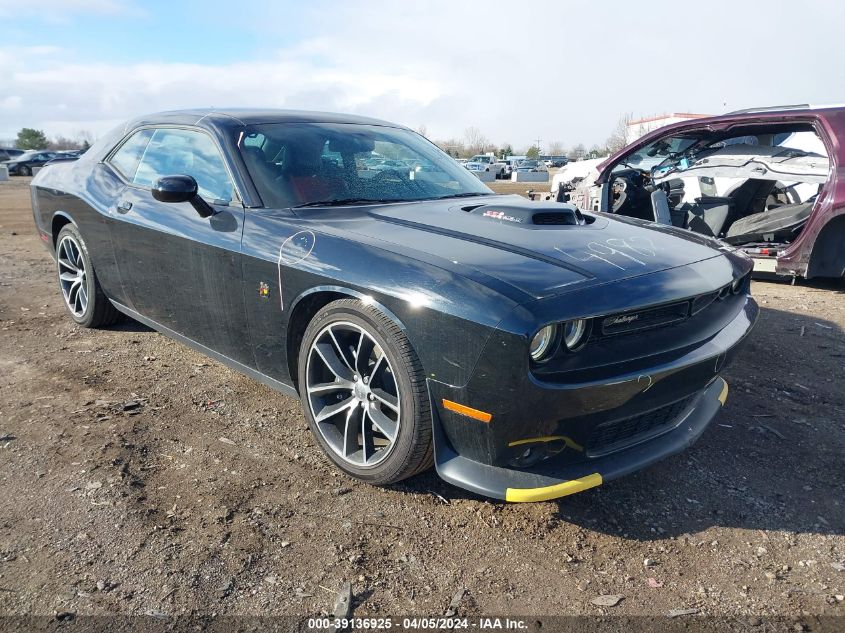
x: 26, y: 170
x: 364, y: 395
x: 84, y: 298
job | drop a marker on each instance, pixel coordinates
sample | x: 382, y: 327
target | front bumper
x: 548, y: 481
x: 530, y: 440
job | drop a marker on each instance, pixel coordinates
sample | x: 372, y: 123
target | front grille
x: 618, y: 434
x: 643, y: 319
x: 702, y: 301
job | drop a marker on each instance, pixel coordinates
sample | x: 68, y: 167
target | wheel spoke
x: 365, y: 348
x: 377, y: 366
x: 383, y: 423
x: 71, y: 277
x: 338, y: 385
x: 385, y: 398
x: 333, y: 409
x: 338, y: 367
x: 339, y: 350
x: 83, y: 296
x: 73, y: 291
x: 68, y: 260
x: 367, y: 446
x: 351, y: 429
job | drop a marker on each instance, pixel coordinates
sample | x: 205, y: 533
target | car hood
x: 539, y: 248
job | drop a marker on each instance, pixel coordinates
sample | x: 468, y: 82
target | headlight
x: 736, y: 286
x: 574, y: 333
x: 543, y: 343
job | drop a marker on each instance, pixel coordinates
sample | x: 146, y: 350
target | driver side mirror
x: 181, y: 189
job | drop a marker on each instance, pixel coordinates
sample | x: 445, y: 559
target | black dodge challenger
x: 527, y: 350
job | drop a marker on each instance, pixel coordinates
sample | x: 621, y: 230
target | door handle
x: 124, y: 205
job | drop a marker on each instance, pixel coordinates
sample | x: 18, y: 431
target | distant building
x: 641, y: 127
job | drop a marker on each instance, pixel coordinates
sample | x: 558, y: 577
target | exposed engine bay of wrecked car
x: 753, y: 187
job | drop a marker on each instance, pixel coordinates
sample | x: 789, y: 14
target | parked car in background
x: 526, y: 351
x: 485, y: 162
x: 23, y: 164
x: 510, y: 164
x: 8, y: 153
x: 530, y: 164
x: 769, y: 182
x: 388, y: 164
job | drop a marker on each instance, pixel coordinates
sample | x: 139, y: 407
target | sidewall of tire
x: 415, y: 417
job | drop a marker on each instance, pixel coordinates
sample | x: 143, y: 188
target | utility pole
x: 537, y: 144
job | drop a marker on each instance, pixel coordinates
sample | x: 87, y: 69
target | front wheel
x: 364, y: 394
x: 25, y: 170
x: 84, y: 298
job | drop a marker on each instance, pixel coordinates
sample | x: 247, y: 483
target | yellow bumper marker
x: 522, y: 495
x: 724, y: 395
x: 467, y: 411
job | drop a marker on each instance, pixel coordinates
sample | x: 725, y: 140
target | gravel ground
x: 139, y: 477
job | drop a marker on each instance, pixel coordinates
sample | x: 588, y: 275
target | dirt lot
x: 137, y: 476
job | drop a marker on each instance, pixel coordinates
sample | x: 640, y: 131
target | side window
x: 126, y: 159
x: 256, y: 139
x: 173, y: 152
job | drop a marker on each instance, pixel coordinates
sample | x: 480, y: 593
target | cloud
x: 12, y: 102
x: 564, y: 73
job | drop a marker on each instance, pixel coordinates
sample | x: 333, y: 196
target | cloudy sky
x: 518, y: 71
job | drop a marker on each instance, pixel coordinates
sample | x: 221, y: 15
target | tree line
x: 30, y: 138
x: 475, y: 142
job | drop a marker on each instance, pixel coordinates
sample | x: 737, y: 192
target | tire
x: 83, y: 297
x: 365, y: 394
x: 26, y: 170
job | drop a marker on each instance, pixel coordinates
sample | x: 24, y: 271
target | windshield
x: 657, y: 153
x: 300, y: 164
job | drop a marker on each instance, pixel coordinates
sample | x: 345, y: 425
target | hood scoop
x: 531, y: 214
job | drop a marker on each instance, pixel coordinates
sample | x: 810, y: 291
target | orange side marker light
x: 467, y: 411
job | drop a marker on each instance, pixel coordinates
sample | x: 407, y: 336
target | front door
x: 179, y: 269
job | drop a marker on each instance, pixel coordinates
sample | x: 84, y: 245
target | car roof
x: 788, y: 108
x: 239, y: 117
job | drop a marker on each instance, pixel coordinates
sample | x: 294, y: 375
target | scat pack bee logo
x: 263, y: 290
x: 501, y: 215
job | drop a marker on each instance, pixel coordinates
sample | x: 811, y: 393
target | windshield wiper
x: 465, y: 194
x: 339, y: 202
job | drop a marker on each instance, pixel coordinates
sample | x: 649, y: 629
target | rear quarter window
x: 127, y: 158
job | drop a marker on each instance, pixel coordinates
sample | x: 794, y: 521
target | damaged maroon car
x: 768, y: 181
